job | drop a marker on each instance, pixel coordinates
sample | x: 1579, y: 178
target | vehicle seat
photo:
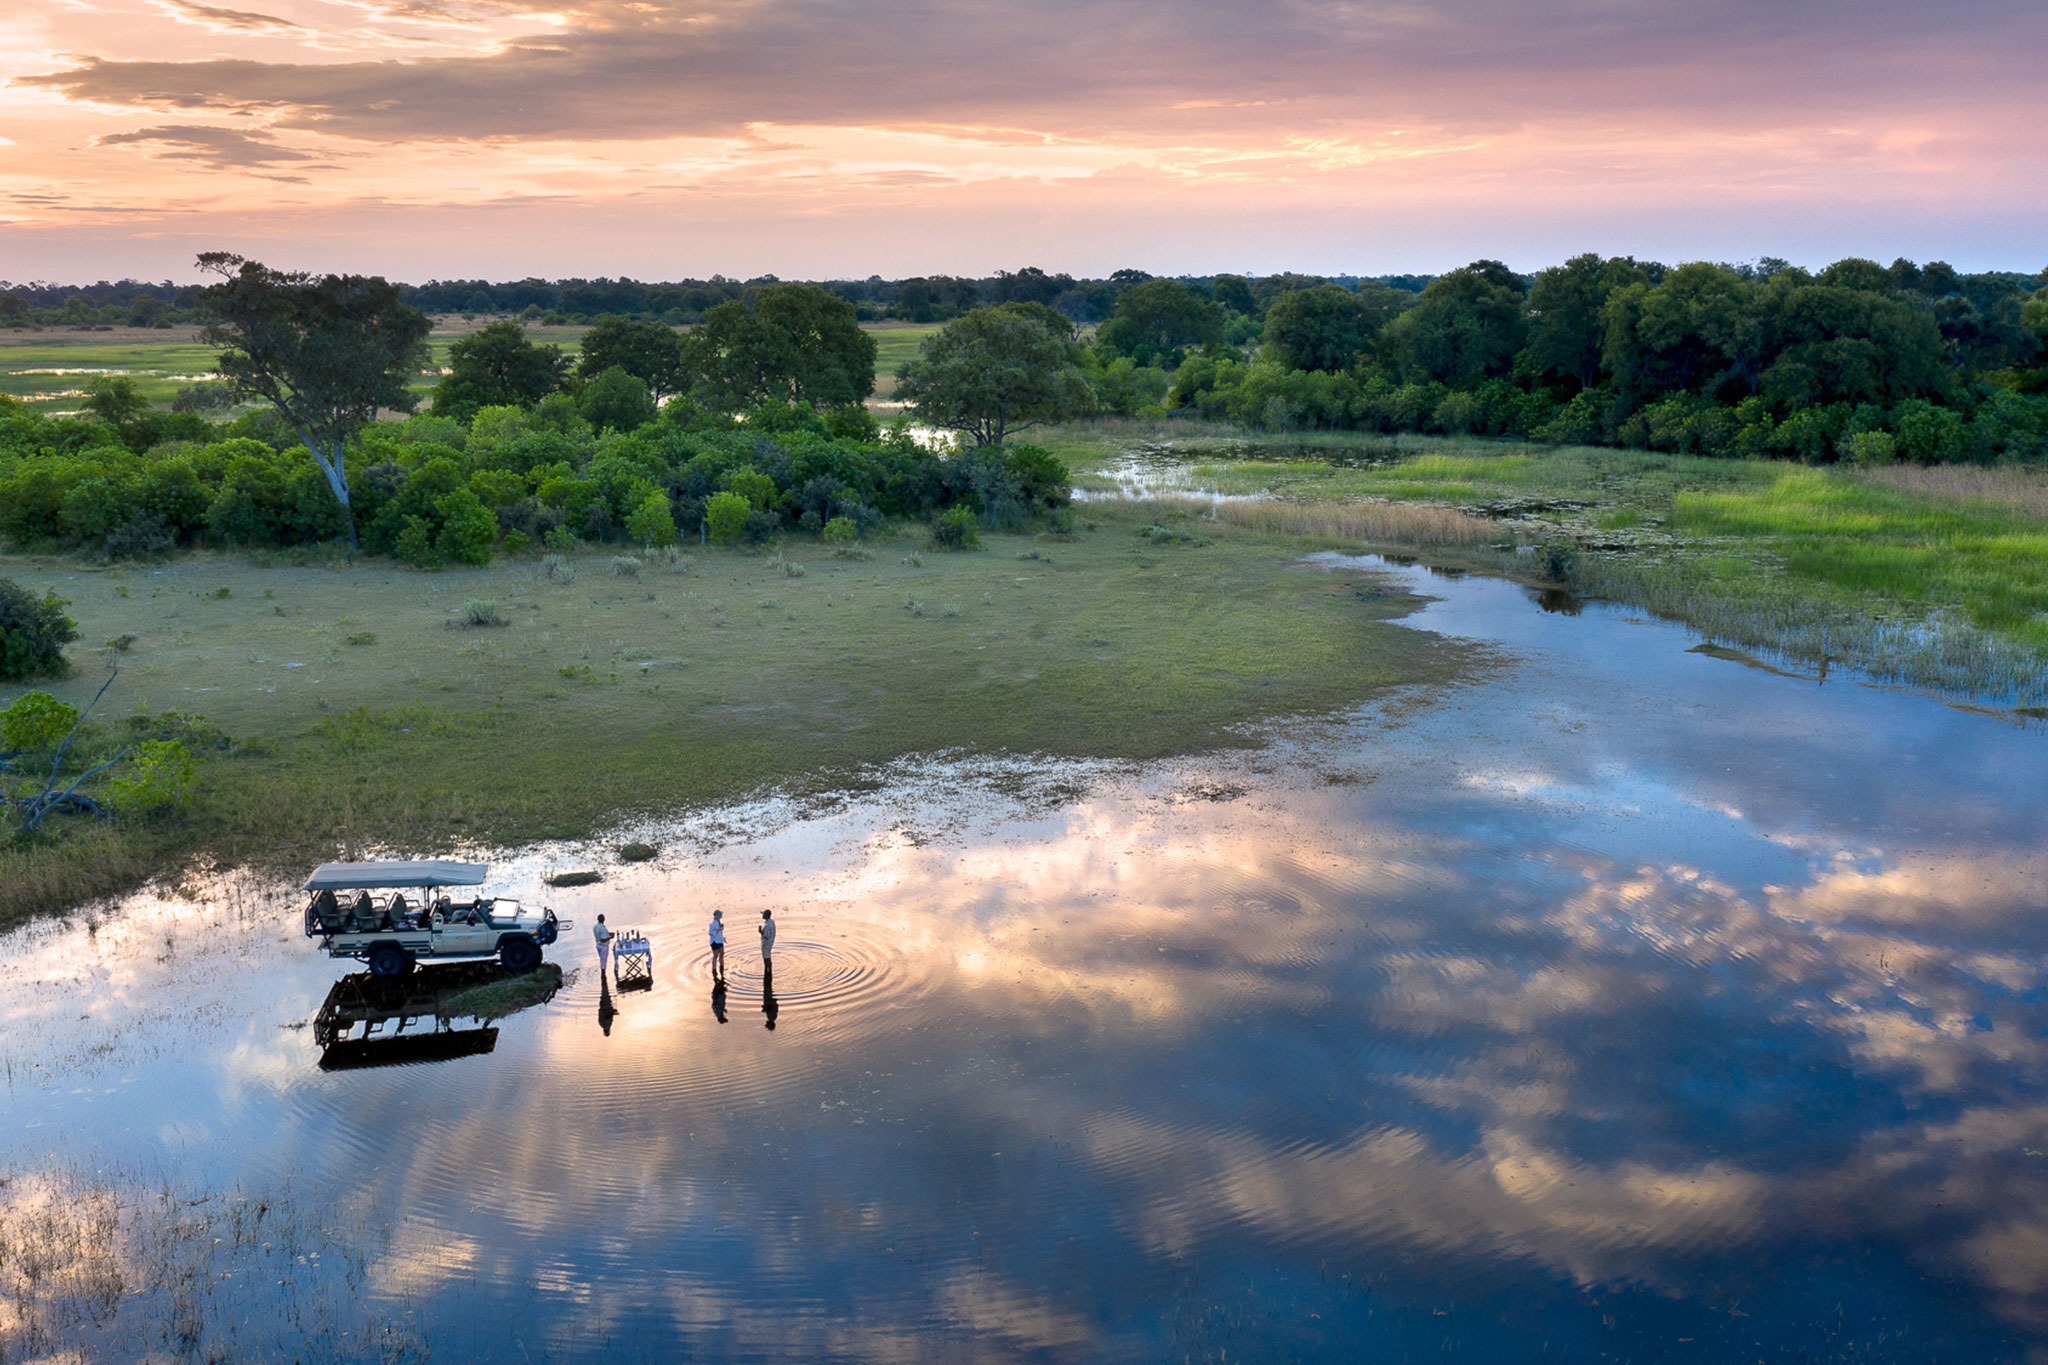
x: 327, y: 911
x: 394, y: 913
x: 363, y: 914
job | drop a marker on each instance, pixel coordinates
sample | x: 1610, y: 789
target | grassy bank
x: 365, y: 714
x: 1938, y: 577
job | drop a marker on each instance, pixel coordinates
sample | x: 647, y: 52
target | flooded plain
x: 1628, y: 1001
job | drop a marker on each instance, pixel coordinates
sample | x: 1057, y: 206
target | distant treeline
x: 934, y: 298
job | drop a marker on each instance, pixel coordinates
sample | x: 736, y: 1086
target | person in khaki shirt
x: 767, y: 938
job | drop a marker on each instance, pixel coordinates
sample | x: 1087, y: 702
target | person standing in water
x: 767, y: 940
x: 718, y: 945
x: 603, y: 935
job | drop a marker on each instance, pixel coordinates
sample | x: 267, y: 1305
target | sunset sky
x: 822, y: 138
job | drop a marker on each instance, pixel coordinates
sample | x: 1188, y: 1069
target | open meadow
x: 361, y: 702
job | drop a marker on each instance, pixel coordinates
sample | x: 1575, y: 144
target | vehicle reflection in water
x: 437, y: 1013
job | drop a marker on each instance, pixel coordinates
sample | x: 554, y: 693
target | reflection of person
x: 603, y: 934
x: 606, y: 1011
x: 718, y: 945
x: 718, y: 998
x: 767, y: 938
x: 768, y: 1005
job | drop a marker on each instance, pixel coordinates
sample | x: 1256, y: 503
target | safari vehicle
x: 363, y: 910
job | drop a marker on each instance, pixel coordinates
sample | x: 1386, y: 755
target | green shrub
x: 469, y: 529
x: 651, y: 523
x: 142, y: 536
x: 37, y: 720
x: 625, y: 566
x: 756, y: 488
x: 1560, y: 560
x: 955, y: 530
x: 1869, y: 448
x: 361, y: 637
x: 481, y: 611
x: 725, y: 515
x: 157, y: 776
x: 841, y: 531
x: 415, y: 544
x: 637, y: 852
x: 560, y: 539
x: 517, y: 543
x: 33, y: 633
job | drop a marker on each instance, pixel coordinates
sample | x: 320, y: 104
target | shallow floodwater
x: 1623, y: 1003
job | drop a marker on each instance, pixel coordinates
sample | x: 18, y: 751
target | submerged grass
x: 94, y: 1267
x: 606, y: 698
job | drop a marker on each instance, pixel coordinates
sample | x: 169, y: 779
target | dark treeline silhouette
x: 932, y: 298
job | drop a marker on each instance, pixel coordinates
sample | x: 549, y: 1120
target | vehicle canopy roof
x: 378, y: 876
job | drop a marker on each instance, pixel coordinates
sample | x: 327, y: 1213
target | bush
x: 142, y: 536
x: 725, y: 515
x: 1869, y: 448
x: 955, y: 530
x: 37, y: 720
x: 637, y: 852
x: 760, y: 527
x: 481, y: 611
x: 652, y: 523
x: 625, y: 566
x: 158, y: 776
x: 469, y: 528
x: 33, y: 633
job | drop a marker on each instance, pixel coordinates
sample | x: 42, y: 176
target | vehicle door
x: 464, y: 930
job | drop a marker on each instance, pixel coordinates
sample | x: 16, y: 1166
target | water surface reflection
x: 1624, y: 1001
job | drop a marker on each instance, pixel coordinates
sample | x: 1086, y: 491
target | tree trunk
x: 337, y: 480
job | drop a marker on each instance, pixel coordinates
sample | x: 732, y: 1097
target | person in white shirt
x: 603, y: 935
x: 718, y: 945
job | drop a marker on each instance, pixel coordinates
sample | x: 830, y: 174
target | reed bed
x: 2024, y: 489
x: 1373, y: 523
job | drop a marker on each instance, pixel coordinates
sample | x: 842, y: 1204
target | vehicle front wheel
x: 388, y: 959
x: 519, y: 954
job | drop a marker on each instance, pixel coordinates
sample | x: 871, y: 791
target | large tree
x: 497, y: 366
x: 992, y: 373
x: 1159, y: 322
x: 1567, y: 321
x: 1466, y: 327
x: 1326, y: 327
x: 651, y: 352
x: 797, y: 343
x: 327, y: 352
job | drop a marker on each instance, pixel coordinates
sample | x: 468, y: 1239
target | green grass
x: 1987, y: 563
x: 608, y: 698
x: 159, y: 368
x: 1949, y: 591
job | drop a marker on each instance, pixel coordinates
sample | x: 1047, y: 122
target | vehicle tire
x: 388, y: 959
x: 518, y: 954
